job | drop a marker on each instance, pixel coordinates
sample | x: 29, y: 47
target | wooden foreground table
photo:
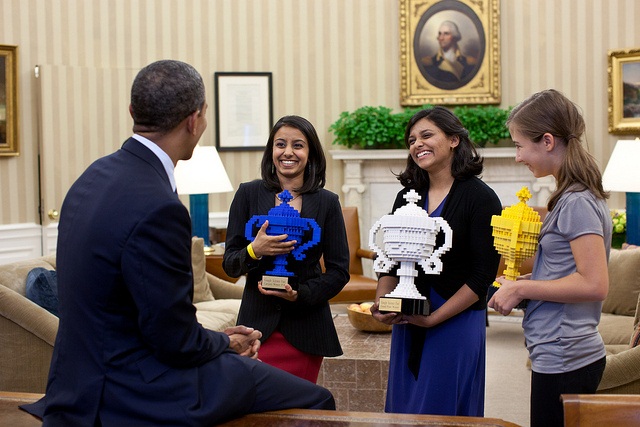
x: 11, y: 415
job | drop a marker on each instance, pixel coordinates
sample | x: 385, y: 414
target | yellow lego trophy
x: 515, y: 236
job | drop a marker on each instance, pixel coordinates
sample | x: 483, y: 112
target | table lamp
x: 198, y: 177
x: 623, y: 174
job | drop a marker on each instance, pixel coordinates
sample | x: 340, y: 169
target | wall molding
x: 24, y: 241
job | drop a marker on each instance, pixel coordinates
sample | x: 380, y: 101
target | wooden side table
x: 214, y: 266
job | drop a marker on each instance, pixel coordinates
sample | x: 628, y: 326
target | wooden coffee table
x: 11, y: 415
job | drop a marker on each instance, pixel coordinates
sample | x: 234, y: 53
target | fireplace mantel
x: 369, y: 182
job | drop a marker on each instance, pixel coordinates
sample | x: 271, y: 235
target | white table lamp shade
x: 200, y: 176
x: 204, y: 173
x: 623, y: 170
x: 623, y: 174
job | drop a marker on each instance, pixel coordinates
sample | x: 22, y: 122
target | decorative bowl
x: 365, y: 322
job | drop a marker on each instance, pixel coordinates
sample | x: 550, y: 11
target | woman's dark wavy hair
x: 314, y: 172
x: 466, y: 161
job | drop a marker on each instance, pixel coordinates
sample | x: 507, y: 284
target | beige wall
x: 326, y: 56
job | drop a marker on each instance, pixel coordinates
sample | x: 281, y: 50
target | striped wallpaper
x: 326, y: 56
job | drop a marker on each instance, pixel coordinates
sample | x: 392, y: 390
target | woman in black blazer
x: 296, y: 322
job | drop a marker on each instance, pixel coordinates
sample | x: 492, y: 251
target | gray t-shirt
x: 564, y: 337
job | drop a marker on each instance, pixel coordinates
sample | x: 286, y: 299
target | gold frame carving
x: 9, y: 100
x: 621, y: 114
x: 479, y: 24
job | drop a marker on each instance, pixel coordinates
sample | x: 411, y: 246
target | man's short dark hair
x: 163, y: 94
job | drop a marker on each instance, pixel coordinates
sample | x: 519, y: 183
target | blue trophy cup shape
x: 284, y: 219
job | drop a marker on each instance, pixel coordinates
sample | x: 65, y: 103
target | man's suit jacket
x: 129, y: 350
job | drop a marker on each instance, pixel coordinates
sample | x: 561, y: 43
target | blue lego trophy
x: 284, y: 219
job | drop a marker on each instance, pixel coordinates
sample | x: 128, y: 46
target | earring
x: 273, y: 168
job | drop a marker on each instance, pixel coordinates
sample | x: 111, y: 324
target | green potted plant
x: 485, y: 123
x: 619, y: 222
x: 378, y: 127
x: 368, y: 127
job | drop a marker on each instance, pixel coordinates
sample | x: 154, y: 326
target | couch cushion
x: 201, y: 290
x: 635, y: 338
x: 219, y: 314
x: 14, y: 275
x: 615, y: 329
x: 42, y: 289
x: 624, y: 282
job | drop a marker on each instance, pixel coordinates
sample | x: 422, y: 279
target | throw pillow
x: 624, y: 282
x: 201, y: 290
x: 42, y: 289
x: 635, y: 338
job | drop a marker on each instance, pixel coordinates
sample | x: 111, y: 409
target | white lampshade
x: 203, y: 173
x: 623, y: 174
x: 623, y: 170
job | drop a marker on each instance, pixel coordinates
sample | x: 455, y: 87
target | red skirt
x: 276, y: 351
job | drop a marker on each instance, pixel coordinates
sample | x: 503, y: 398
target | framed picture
x: 244, y: 110
x: 8, y: 101
x: 624, y: 91
x: 449, y: 52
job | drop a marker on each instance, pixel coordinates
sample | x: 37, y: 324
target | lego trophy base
x: 493, y: 289
x: 277, y: 283
x: 408, y: 306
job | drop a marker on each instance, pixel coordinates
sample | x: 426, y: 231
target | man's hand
x: 244, y: 341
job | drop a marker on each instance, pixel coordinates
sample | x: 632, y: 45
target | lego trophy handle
x: 434, y: 264
x: 299, y: 251
x: 382, y: 262
x: 248, y: 229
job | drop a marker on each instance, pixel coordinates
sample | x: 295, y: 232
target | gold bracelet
x: 251, y: 253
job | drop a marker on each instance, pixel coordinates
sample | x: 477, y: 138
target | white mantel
x: 370, y: 183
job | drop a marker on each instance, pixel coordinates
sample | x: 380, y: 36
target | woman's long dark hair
x: 314, y: 172
x: 466, y: 161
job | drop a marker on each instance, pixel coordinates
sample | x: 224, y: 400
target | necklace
x: 291, y: 199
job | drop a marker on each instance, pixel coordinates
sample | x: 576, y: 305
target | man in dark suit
x: 129, y: 350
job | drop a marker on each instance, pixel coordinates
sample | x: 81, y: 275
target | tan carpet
x: 508, y: 379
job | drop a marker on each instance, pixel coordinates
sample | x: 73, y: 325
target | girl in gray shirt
x: 570, y: 278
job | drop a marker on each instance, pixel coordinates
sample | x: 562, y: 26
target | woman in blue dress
x: 437, y: 362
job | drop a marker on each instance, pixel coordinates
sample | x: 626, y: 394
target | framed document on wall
x: 449, y: 52
x: 244, y: 110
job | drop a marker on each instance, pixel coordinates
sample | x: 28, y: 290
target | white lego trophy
x: 409, y: 237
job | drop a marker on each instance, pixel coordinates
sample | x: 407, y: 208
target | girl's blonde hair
x: 551, y: 112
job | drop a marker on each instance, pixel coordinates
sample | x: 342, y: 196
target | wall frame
x: 9, y: 101
x: 426, y: 76
x: 244, y: 110
x: 624, y: 91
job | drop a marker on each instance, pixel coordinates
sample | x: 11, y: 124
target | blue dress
x: 451, y: 375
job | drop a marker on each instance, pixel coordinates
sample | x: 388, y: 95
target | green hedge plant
x: 378, y: 127
x: 485, y: 123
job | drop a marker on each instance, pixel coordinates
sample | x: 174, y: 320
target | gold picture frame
x: 426, y: 76
x: 8, y: 101
x: 624, y: 91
